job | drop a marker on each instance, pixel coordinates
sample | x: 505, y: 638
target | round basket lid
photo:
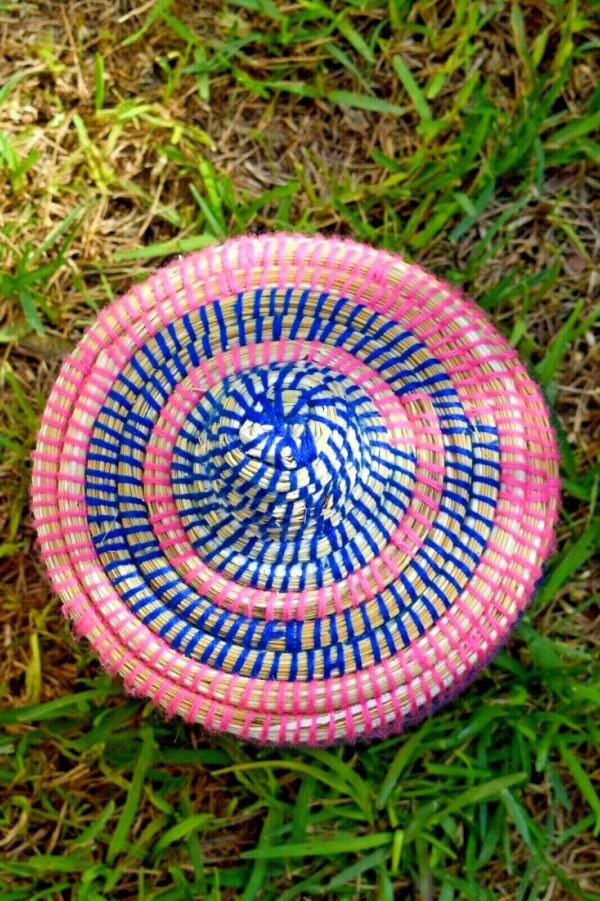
x: 294, y: 489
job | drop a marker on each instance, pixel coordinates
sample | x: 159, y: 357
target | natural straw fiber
x: 294, y: 489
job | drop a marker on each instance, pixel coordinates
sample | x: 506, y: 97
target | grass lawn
x: 461, y: 134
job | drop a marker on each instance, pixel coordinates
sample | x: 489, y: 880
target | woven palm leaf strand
x: 294, y: 489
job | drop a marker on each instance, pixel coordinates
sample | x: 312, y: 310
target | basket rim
x: 376, y: 698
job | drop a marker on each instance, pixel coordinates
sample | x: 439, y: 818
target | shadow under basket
x: 294, y: 489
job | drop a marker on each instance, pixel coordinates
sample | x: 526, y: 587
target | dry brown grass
x: 130, y: 169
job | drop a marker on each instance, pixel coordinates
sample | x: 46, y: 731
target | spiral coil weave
x: 294, y: 489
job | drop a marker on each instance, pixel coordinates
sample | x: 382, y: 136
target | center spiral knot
x: 283, y: 449
x: 278, y: 430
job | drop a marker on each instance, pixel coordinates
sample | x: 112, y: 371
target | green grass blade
x: 155, y: 13
x: 409, y: 749
x: 259, y: 870
x: 292, y: 765
x: 413, y: 90
x: 370, y: 862
x: 546, y: 368
x: 355, y: 39
x: 123, y: 827
x: 181, y: 830
x: 50, y: 709
x: 365, y: 102
x: 322, y: 847
x: 583, y: 783
x: 100, y: 79
x: 166, y: 248
x: 569, y: 561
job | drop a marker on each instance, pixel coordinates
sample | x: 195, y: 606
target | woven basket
x: 294, y: 489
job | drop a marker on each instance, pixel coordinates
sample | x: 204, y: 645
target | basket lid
x: 295, y: 489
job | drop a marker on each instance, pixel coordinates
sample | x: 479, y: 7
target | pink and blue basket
x: 294, y: 489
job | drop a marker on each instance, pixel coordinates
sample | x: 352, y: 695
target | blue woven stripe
x: 128, y: 533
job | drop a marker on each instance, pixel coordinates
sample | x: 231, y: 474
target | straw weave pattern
x: 294, y: 489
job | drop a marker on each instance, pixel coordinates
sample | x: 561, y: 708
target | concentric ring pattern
x: 294, y: 489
